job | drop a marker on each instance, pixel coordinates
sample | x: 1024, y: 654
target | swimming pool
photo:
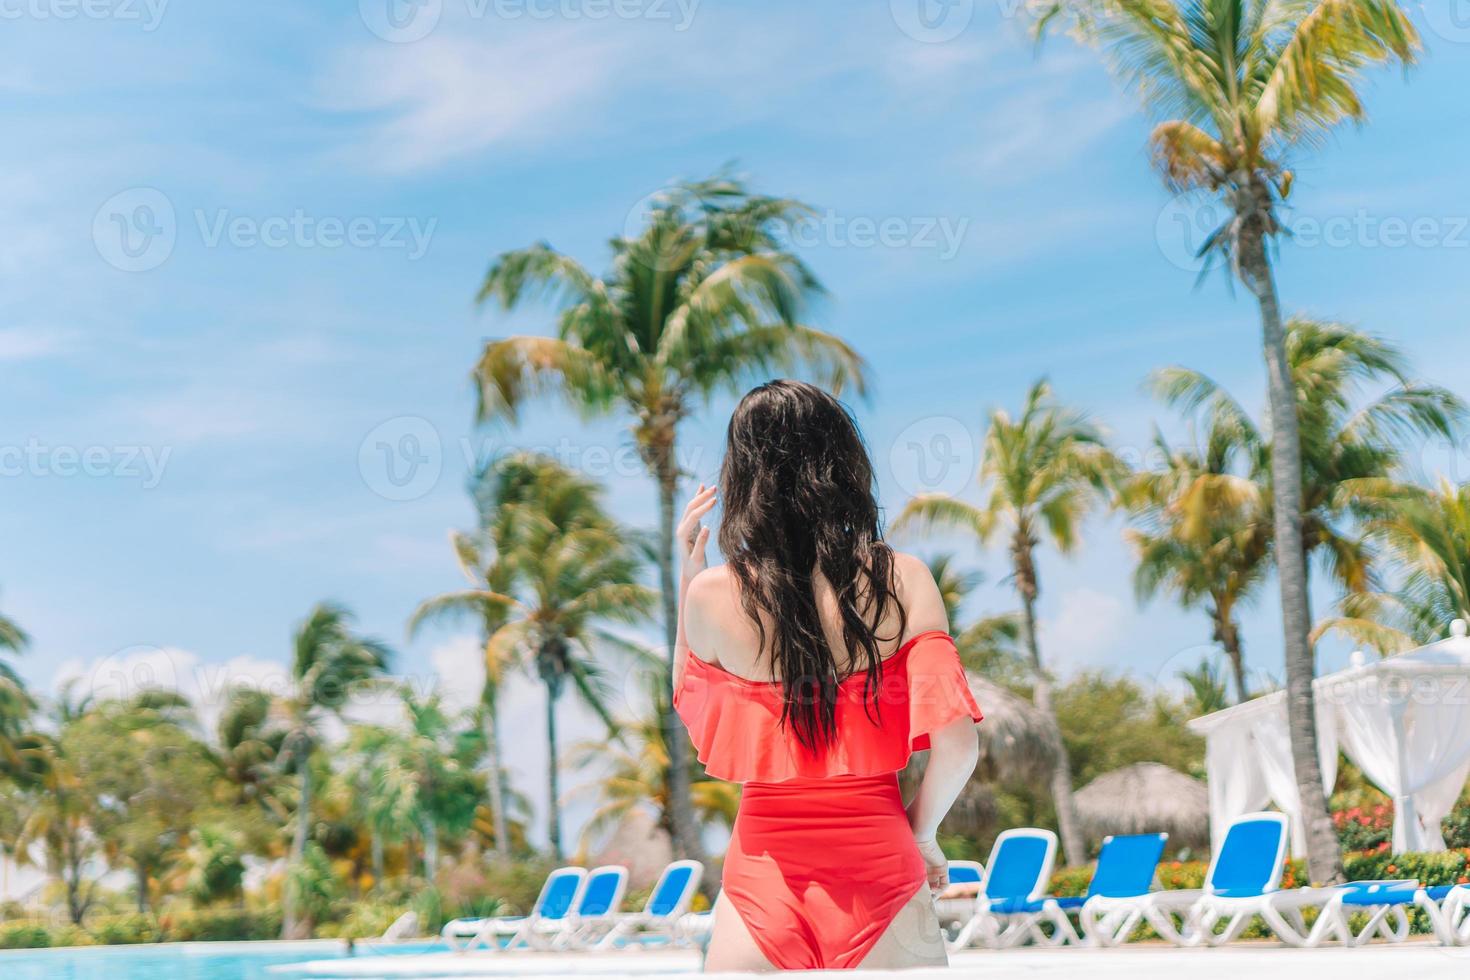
x: 184, y: 961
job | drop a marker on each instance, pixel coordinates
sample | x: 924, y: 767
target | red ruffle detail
x: 735, y: 723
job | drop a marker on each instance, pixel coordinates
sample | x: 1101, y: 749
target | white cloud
x: 34, y: 343
x: 1040, y: 131
x: 446, y: 97
x: 1086, y: 631
x: 132, y: 670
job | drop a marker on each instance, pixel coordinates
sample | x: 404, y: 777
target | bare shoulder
x: 917, y: 590
x: 709, y: 605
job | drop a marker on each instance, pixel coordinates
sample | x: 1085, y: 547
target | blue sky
x: 192, y: 401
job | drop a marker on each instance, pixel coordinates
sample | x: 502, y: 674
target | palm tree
x: 569, y: 570
x: 635, y: 765
x: 1043, y: 471
x: 328, y: 660
x: 1205, y: 533
x: 1427, y: 534
x: 22, y: 752
x: 1241, y: 86
x: 988, y: 645
x: 1352, y: 448
x: 1206, y: 688
x: 495, y: 486
x: 247, y: 750
x: 362, y: 786
x: 431, y: 760
x: 703, y: 300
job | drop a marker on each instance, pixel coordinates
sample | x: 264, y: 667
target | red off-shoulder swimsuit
x: 822, y: 858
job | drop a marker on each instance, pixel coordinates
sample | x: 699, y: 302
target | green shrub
x: 1069, y: 882
x: 24, y: 935
x: 70, y: 935
x: 1443, y: 868
x: 364, y: 920
x: 125, y: 930
x: 1457, y: 826
x: 224, y: 925
x: 1364, y: 828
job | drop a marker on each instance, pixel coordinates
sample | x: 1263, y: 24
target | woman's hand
x: 692, y: 536
x: 936, y: 865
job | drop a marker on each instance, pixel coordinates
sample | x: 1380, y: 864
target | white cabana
x: 1403, y: 720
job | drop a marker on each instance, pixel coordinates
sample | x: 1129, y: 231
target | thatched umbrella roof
x: 1147, y: 797
x: 639, y: 844
x: 1017, y: 742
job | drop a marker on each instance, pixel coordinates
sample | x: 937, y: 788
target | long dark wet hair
x: 797, y: 491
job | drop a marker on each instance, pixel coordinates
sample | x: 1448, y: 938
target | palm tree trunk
x: 1324, y: 859
x: 142, y: 872
x: 1227, y: 634
x: 681, y: 809
x: 553, y: 777
x: 497, y: 778
x: 291, y: 927
x: 1073, y: 848
x: 431, y: 851
x: 378, y: 863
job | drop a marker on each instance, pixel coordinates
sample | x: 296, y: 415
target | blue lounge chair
x: 595, y: 911
x: 1015, y: 879
x: 664, y: 914
x: 1386, y: 904
x: 1121, y: 887
x: 1244, y: 874
x: 559, y: 894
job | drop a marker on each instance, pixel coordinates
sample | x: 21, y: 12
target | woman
x: 808, y: 667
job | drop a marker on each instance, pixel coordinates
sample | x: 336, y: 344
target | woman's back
x: 722, y: 632
x: 808, y: 668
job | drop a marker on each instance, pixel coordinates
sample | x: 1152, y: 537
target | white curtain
x: 1271, y: 739
x: 1412, y: 739
x: 1234, y: 779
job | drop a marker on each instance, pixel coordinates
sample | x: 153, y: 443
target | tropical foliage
x: 1042, y: 471
x: 703, y: 299
x: 1240, y: 87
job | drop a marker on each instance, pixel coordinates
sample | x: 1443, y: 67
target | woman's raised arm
x: 692, y: 538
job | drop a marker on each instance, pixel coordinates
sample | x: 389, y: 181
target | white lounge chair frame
x: 672, y: 925
x: 463, y: 935
x: 997, y: 929
x: 1201, y: 909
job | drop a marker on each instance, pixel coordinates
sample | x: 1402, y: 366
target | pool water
x: 184, y: 961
